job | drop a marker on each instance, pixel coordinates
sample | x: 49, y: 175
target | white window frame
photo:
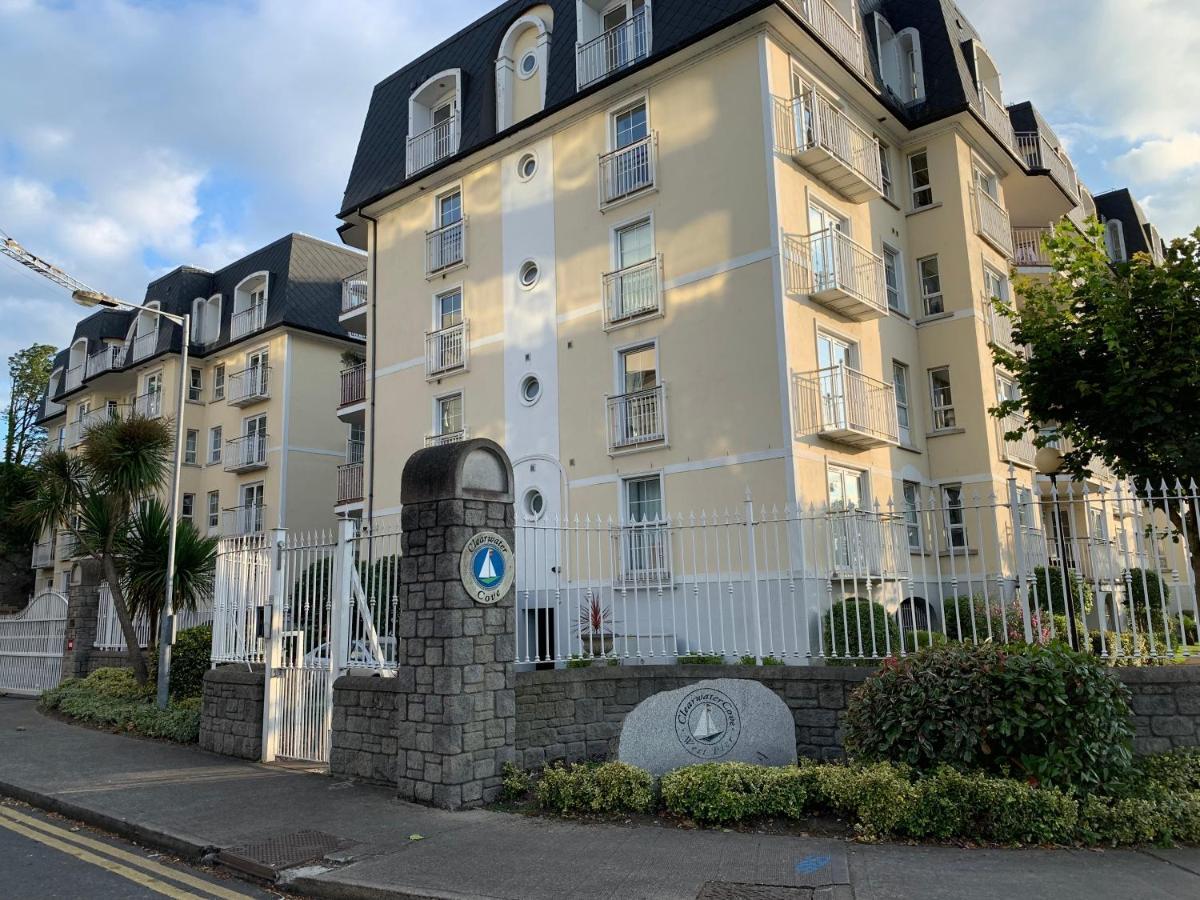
x: 626, y: 519
x: 887, y: 177
x: 912, y: 184
x: 437, y: 412
x: 213, y: 510
x: 187, y: 508
x: 1117, y: 251
x: 191, y: 446
x: 902, y: 384
x: 195, y: 389
x: 888, y: 251
x: 944, y: 416
x: 218, y: 381
x: 864, y: 480
x: 619, y: 354
x: 619, y: 109
x: 939, y: 295
x: 914, y: 530
x: 216, y: 442
x: 999, y: 278
x: 948, y: 520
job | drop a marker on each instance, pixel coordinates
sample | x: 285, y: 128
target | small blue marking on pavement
x: 811, y: 864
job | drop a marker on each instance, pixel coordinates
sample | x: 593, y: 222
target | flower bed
x: 112, y: 698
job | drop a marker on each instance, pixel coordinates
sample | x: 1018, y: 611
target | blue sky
x: 137, y: 136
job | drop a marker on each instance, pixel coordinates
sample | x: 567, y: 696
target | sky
x: 138, y: 135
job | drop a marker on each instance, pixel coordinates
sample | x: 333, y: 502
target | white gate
x: 31, y: 645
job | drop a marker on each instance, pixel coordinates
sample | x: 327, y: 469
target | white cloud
x: 1161, y: 160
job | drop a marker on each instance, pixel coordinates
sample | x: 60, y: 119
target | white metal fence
x: 31, y: 645
x: 109, y: 635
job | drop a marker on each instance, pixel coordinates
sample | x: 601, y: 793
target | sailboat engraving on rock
x: 706, y: 729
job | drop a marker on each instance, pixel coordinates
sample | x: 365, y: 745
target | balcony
x: 74, y: 377
x: 144, y: 345
x: 350, y: 474
x: 629, y: 171
x: 1000, y: 328
x: 445, y: 437
x: 67, y: 546
x: 148, y: 405
x: 991, y: 222
x: 243, y: 520
x: 828, y: 143
x: 246, y: 453
x: 997, y: 118
x: 1020, y: 452
x: 447, y: 351
x: 445, y: 248
x: 248, y: 321
x: 616, y: 49
x: 76, y: 431
x: 637, y: 420
x: 842, y: 404
x: 1029, y: 247
x: 833, y: 28
x: 1038, y: 154
x: 863, y: 544
x: 43, y: 555
x: 105, y: 360
x: 353, y: 385
x: 429, y: 147
x: 354, y: 292
x: 633, y: 293
x: 645, y: 553
x: 836, y: 272
x: 52, y: 408
x: 248, y: 386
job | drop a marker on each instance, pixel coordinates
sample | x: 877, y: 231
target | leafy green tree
x: 29, y: 373
x: 1112, y: 361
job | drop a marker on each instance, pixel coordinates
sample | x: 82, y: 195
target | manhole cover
x: 265, y: 858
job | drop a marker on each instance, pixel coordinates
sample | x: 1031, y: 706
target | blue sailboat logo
x: 488, y: 566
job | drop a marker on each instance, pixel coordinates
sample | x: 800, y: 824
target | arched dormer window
x: 249, y: 305
x: 145, y: 331
x: 1114, y: 240
x: 76, y: 363
x: 612, y: 34
x: 206, y: 319
x: 900, y: 63
x: 434, y: 114
x: 522, y: 65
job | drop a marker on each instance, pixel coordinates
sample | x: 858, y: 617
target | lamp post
x: 1049, y: 462
x: 166, y: 630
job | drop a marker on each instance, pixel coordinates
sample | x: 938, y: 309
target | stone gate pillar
x: 457, y: 624
x: 83, y: 607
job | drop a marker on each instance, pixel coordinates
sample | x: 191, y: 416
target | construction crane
x: 13, y: 250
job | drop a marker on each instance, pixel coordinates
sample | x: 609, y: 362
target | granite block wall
x: 231, y: 712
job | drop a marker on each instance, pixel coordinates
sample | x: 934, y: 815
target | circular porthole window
x: 534, y: 503
x: 527, y: 167
x: 531, y: 390
x: 528, y: 64
x: 529, y: 274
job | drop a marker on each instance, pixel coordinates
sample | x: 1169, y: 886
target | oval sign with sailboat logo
x: 487, y: 567
x: 708, y: 723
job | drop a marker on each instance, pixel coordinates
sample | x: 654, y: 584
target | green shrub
x: 1145, y: 588
x: 973, y: 618
x: 1045, y: 714
x: 1189, y: 629
x: 858, y: 632
x: 1046, y: 591
x: 113, y: 698
x: 750, y: 660
x: 610, y: 787
x: 717, y: 793
x: 1124, y: 649
x: 702, y: 659
x: 915, y: 641
x: 515, y: 784
x: 579, y: 662
x: 191, y: 657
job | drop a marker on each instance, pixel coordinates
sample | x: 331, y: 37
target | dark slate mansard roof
x: 379, y: 164
x: 1121, y: 205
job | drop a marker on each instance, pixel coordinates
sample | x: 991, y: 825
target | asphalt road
x: 43, y: 856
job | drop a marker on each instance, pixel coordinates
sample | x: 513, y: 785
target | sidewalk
x: 193, y: 803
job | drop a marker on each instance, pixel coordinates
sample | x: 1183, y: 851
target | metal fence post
x: 752, y: 547
x: 273, y: 647
x: 1014, y: 502
x: 343, y: 599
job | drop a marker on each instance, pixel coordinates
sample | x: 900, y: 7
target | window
x: 987, y: 183
x: 534, y: 503
x: 448, y: 309
x: 1006, y: 389
x: 449, y: 414
x: 195, y: 385
x: 956, y: 520
x: 929, y: 271
x: 1025, y: 507
x: 531, y: 390
x: 885, y: 170
x: 638, y: 369
x: 527, y: 167
x: 529, y: 274
x: 995, y: 285
x: 1114, y: 240
x: 903, y: 417
x: 941, y: 399
x: 922, y: 187
x: 214, y: 510
x: 643, y: 499
x: 214, y: 444
x: 630, y: 126
x: 218, y: 385
x: 893, y: 280
x: 189, y: 446
x: 900, y: 61
x: 634, y: 244
x: 912, y: 515
x: 187, y: 507
x: 433, y: 132
x: 450, y: 209
x: 252, y: 511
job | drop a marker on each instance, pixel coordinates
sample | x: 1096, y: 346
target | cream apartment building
x: 668, y: 253
x: 261, y: 449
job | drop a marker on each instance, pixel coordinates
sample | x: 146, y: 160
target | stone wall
x: 105, y: 659
x: 83, y: 605
x: 231, y: 714
x: 1166, y: 706
x: 368, y: 714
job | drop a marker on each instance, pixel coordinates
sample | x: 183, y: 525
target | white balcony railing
x: 248, y: 321
x: 863, y: 543
x: 350, y: 482
x: 239, y: 520
x: 354, y: 292
x: 105, y: 360
x: 432, y: 146
x: 1000, y: 328
x: 246, y: 452
x: 996, y: 117
x: 144, y: 345
x: 75, y: 376
x: 633, y: 293
x: 842, y: 404
x: 837, y: 272
x: 447, y: 350
x: 1020, y: 452
x: 832, y: 145
x: 148, y: 405
x: 77, y: 430
x: 445, y: 247
x: 629, y: 170
x: 615, y: 49
x: 353, y: 385
x: 1039, y: 154
x: 833, y: 28
x: 43, y: 554
x: 637, y: 419
x: 52, y: 408
x: 1029, y: 246
x: 991, y: 222
x: 445, y: 437
x: 248, y: 386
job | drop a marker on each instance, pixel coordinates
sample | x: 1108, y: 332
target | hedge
x: 114, y: 699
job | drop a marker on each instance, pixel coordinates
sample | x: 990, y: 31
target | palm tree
x: 94, y: 495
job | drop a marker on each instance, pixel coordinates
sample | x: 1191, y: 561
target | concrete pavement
x: 362, y: 842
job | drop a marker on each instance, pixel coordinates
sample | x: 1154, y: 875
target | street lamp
x: 166, y: 630
x: 1049, y: 461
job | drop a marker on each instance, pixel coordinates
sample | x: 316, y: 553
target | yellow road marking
x: 73, y: 843
x: 118, y: 853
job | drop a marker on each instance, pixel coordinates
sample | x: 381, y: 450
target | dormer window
x: 145, y: 340
x: 206, y: 319
x: 76, y: 364
x: 613, y: 34
x: 433, y: 121
x: 249, y: 305
x: 900, y: 62
x: 1114, y: 241
x: 521, y: 69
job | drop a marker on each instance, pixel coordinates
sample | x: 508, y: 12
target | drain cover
x: 265, y: 858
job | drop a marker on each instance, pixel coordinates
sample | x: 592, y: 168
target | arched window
x: 249, y: 305
x: 900, y: 63
x: 914, y: 614
x: 1114, y: 240
x: 206, y: 319
x: 145, y: 334
x: 521, y: 67
x: 434, y: 111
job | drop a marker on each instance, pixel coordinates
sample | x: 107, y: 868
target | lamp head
x: 1048, y: 460
x: 92, y: 299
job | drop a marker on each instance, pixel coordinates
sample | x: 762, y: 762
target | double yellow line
x: 128, y: 865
